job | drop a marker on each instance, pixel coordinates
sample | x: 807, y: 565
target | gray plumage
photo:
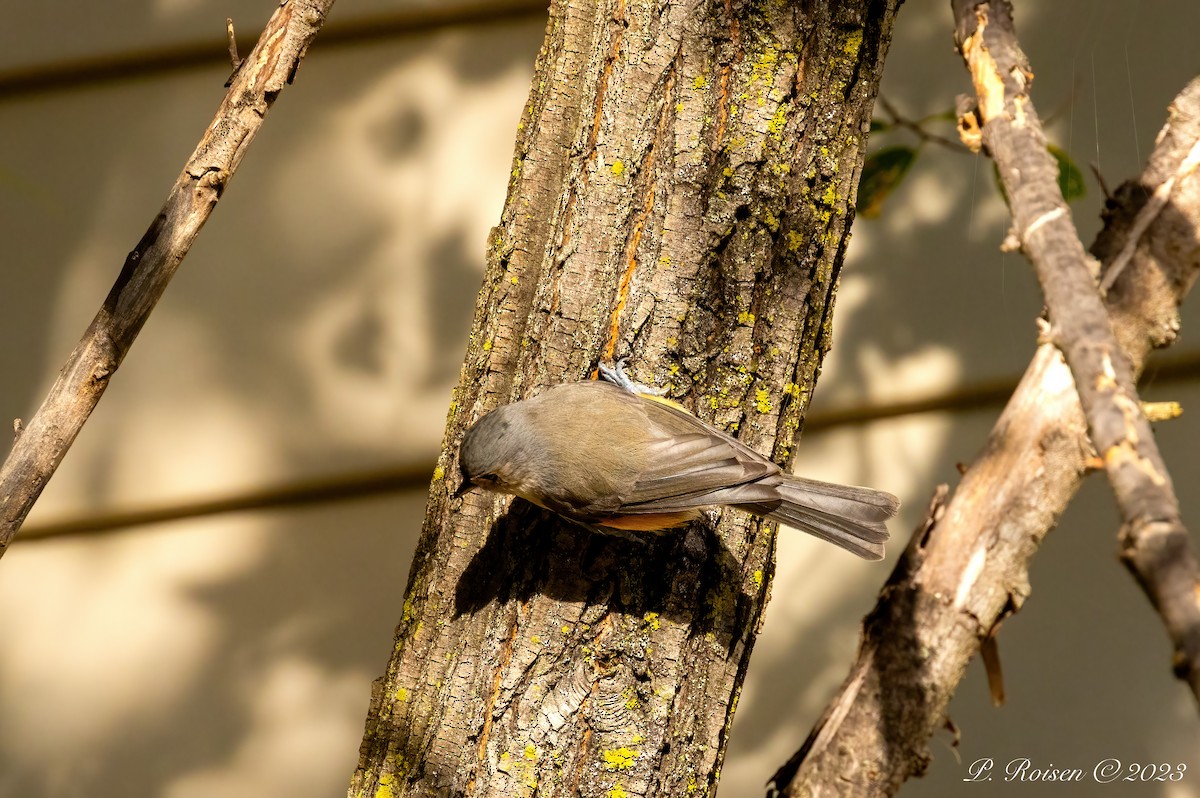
x: 597, y: 454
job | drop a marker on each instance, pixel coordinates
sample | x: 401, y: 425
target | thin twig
x: 1151, y: 209
x: 234, y: 60
x: 900, y: 120
x: 1096, y: 173
x: 149, y: 267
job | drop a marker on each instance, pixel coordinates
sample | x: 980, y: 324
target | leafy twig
x: 917, y: 127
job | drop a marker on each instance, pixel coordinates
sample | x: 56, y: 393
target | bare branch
x: 967, y: 567
x: 45, y: 439
x: 1153, y: 535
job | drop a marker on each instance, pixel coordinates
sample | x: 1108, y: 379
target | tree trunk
x: 681, y: 194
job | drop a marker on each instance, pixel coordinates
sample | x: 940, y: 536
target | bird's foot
x: 617, y: 376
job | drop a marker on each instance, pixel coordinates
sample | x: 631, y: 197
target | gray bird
x: 603, y: 456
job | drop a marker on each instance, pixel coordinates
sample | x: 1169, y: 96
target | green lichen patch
x: 620, y: 758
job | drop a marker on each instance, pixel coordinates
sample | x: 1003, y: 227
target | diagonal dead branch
x: 967, y: 566
x: 1153, y: 531
x: 1146, y: 215
x: 44, y: 441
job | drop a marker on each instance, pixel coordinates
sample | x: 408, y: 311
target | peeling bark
x: 681, y: 194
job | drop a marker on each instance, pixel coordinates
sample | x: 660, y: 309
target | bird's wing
x: 689, y: 464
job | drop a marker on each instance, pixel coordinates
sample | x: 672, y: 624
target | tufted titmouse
x: 604, y: 456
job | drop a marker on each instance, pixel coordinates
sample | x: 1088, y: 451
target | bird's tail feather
x: 850, y: 517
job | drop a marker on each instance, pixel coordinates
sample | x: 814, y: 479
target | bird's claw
x: 617, y: 376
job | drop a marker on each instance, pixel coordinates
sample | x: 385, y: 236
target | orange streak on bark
x: 627, y: 278
x: 647, y: 168
x: 505, y: 658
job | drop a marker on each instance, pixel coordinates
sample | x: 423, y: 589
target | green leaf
x: 1070, y: 179
x: 880, y: 125
x: 881, y: 173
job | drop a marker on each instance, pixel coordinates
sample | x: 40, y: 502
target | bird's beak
x: 463, y: 489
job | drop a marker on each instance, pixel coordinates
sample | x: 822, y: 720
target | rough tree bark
x: 41, y: 445
x: 966, y: 568
x: 681, y: 193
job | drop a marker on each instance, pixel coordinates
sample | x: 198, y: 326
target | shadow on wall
x: 211, y: 657
x: 315, y: 329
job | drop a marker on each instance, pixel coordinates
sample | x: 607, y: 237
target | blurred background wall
x: 309, y: 344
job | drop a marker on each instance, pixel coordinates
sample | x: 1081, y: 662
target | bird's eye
x: 487, y: 477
